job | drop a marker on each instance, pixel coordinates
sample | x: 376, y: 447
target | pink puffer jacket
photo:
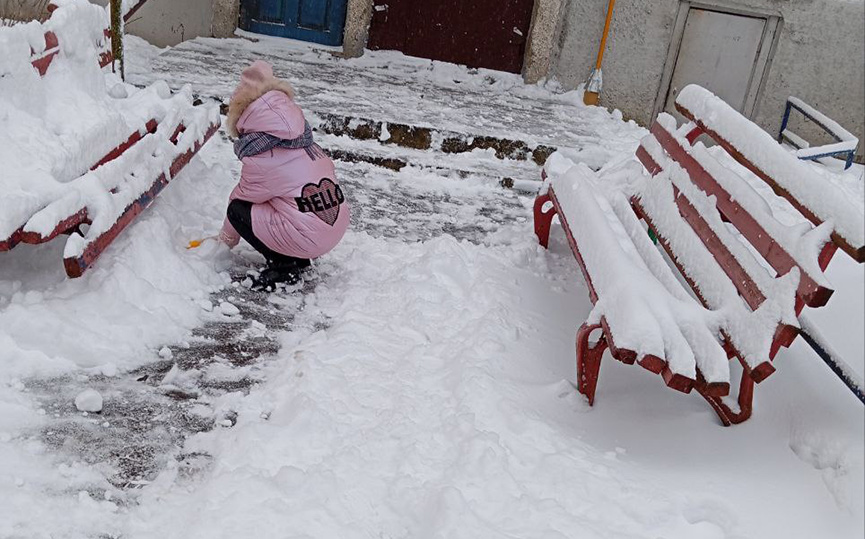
x: 299, y: 208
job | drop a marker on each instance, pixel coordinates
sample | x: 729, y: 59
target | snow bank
x: 144, y: 292
x: 847, y: 216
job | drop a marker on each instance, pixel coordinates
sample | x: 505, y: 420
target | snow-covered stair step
x: 428, y: 138
x: 479, y: 163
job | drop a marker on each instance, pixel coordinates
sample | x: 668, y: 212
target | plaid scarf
x: 255, y: 143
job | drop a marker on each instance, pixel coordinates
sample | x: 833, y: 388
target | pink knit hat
x: 254, y: 78
x: 255, y: 81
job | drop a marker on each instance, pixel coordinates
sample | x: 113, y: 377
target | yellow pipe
x: 593, y: 89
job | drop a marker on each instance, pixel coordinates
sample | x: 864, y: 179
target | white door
x: 718, y: 51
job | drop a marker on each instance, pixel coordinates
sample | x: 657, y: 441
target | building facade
x: 753, y: 53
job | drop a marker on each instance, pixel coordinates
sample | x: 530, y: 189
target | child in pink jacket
x: 288, y: 205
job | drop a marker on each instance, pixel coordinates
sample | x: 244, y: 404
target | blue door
x: 319, y: 21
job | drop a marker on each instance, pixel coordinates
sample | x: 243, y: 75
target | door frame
x: 762, y: 63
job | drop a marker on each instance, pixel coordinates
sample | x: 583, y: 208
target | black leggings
x: 240, y: 217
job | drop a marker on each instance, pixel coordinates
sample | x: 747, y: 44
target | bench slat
x: 702, y: 253
x: 764, y: 237
x: 77, y: 265
x: 748, y: 275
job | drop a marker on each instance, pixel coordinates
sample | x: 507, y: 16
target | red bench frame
x: 808, y: 293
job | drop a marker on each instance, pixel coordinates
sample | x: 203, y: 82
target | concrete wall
x: 162, y: 22
x: 819, y: 57
x: 225, y: 17
x: 23, y: 10
x: 357, y: 21
x: 168, y: 22
x: 546, y: 27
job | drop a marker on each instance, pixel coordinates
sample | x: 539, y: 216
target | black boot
x: 287, y: 273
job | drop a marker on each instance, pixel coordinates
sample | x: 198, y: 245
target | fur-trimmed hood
x: 245, y: 95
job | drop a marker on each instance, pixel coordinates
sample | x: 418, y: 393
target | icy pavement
x: 417, y: 385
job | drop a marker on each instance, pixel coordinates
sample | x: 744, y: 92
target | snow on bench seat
x: 756, y: 308
x: 783, y: 171
x: 650, y: 316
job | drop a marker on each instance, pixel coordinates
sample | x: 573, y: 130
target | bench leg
x: 746, y: 399
x: 544, y: 219
x: 589, y: 361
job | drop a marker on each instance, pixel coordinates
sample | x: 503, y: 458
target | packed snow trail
x: 418, y: 386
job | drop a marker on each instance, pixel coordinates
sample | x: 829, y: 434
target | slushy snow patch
x: 228, y: 309
x: 89, y: 400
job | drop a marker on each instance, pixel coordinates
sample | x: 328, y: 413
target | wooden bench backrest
x: 714, y: 118
x: 723, y: 134
x: 703, y: 171
x: 810, y: 292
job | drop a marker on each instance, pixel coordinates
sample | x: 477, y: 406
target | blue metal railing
x: 838, y: 133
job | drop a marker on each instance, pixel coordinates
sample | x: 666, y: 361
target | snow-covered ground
x: 419, y: 385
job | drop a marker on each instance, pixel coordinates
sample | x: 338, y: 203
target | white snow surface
x: 437, y: 402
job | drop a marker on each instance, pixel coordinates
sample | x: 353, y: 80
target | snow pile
x: 796, y: 177
x: 89, y: 401
x: 143, y: 293
x: 59, y: 126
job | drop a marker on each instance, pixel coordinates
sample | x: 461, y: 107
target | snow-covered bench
x: 749, y: 274
x: 82, y: 147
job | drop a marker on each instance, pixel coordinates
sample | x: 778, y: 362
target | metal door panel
x: 319, y: 21
x: 718, y: 51
x: 476, y: 33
